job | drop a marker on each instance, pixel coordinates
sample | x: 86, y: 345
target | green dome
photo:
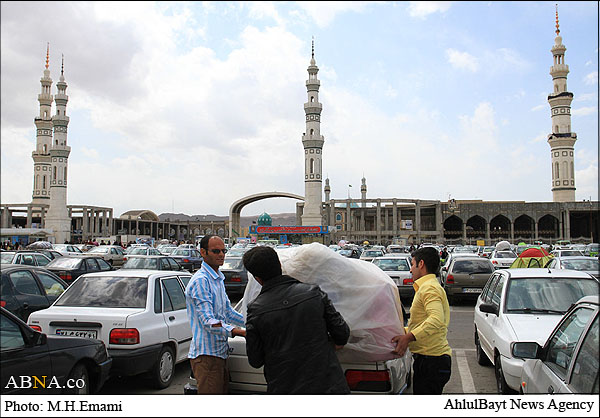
x: 264, y: 220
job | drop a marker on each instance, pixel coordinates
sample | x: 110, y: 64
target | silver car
x: 369, y: 255
x: 502, y: 259
x: 112, y: 254
x: 466, y: 277
x: 398, y: 268
x: 588, y: 264
x: 568, y: 361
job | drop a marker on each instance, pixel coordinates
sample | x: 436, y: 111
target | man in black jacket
x: 292, y: 329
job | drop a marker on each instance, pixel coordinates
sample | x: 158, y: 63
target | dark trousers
x: 430, y: 374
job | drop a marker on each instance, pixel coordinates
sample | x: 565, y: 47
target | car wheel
x: 482, y: 358
x: 80, y: 379
x: 163, y: 371
x: 501, y: 385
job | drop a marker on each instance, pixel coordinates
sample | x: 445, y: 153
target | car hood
x: 534, y: 327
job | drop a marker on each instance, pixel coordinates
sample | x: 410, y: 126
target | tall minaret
x: 363, y: 191
x: 58, y: 218
x: 41, y: 155
x: 561, y: 139
x: 327, y: 190
x: 312, y: 140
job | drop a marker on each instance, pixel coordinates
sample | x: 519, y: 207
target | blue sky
x: 193, y: 105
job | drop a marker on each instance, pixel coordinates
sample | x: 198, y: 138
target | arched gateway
x: 236, y: 209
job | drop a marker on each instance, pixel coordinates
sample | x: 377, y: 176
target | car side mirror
x: 525, y: 350
x: 488, y: 308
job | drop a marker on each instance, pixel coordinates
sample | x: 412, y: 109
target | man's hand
x: 402, y: 343
x: 238, y: 332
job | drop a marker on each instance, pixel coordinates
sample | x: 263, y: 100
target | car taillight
x: 36, y: 327
x: 407, y: 281
x: 65, y: 276
x: 186, y: 260
x: 494, y: 262
x: 3, y: 303
x: 450, y: 279
x: 124, y: 336
x: 372, y: 381
x: 236, y: 279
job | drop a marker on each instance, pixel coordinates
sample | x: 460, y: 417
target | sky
x: 188, y: 107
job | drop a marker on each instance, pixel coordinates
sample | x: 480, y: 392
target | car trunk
x: 470, y: 282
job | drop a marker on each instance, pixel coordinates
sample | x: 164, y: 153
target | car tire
x: 164, y: 368
x: 78, y: 373
x: 482, y: 358
x: 501, y: 385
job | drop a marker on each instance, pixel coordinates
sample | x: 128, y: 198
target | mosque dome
x: 264, y: 220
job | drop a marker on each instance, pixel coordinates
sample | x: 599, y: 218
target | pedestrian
x: 426, y: 333
x: 212, y: 318
x: 293, y: 330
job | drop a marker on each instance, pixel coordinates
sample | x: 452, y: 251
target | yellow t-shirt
x: 429, y: 318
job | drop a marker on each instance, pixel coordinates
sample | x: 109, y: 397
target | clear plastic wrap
x: 366, y: 297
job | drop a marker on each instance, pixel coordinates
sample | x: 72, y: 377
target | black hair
x: 430, y: 257
x: 204, y: 241
x: 262, y: 262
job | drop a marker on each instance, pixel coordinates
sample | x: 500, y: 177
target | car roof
x: 594, y: 300
x: 544, y: 272
x: 6, y: 267
x: 574, y: 257
x: 136, y: 273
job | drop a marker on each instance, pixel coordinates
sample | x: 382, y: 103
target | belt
x: 417, y: 356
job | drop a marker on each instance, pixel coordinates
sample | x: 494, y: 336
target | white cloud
x: 584, y: 111
x: 90, y: 153
x: 422, y: 9
x: 462, y: 60
x: 591, y: 79
x: 540, y: 138
x: 539, y: 107
x: 324, y: 12
x: 586, y: 182
x: 586, y: 97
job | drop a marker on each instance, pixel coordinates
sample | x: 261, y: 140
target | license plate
x: 471, y: 290
x: 77, y: 333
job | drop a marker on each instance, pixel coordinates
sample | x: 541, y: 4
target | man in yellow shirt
x: 426, y: 333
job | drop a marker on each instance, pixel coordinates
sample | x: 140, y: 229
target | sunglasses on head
x: 217, y: 251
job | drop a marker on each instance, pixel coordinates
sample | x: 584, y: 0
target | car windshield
x: 141, y: 263
x: 388, y: 264
x: 106, y: 292
x: 167, y: 250
x: 582, y: 264
x: 505, y: 254
x: 65, y: 262
x: 345, y: 252
x: 472, y: 266
x: 570, y: 253
x: 236, y: 252
x: 98, y: 250
x: 547, y: 294
x: 181, y: 251
x: 6, y: 257
x: 232, y: 264
x: 139, y: 251
x: 372, y: 253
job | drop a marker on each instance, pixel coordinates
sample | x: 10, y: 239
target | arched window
x: 54, y: 174
x: 553, y: 174
x: 557, y: 170
x: 338, y: 217
x: 36, y: 181
x: 312, y: 99
x: 312, y: 131
x: 45, y: 148
x: 572, y: 171
x: 566, y: 169
x: 312, y: 166
x: 65, y: 172
x: 44, y: 182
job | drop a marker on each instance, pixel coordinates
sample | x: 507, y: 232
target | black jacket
x: 290, y: 330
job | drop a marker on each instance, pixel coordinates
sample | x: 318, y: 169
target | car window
x: 157, y: 297
x: 486, y: 292
x: 26, y: 259
x: 41, y: 260
x: 98, y: 250
x: 232, y: 264
x: 66, y: 263
x: 51, y: 286
x: 113, y: 251
x: 585, y: 369
x: 153, y: 251
x: 496, y: 294
x: 472, y: 266
x: 196, y: 253
x: 591, y: 264
x: 24, y: 282
x: 562, y: 345
x: 185, y: 280
x: 106, y: 292
x: 164, y: 264
x: 167, y: 305
x: 174, y: 293
x: 552, y: 263
x: 91, y: 264
x: 388, y: 264
x: 505, y: 254
x: 10, y: 335
x: 174, y: 264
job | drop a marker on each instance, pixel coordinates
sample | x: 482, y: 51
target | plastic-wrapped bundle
x: 366, y: 297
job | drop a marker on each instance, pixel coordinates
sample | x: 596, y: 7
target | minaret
x: 327, y: 190
x: 312, y: 140
x: 561, y: 140
x: 58, y: 218
x: 41, y: 155
x: 363, y: 191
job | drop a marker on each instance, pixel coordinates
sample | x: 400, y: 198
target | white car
x: 523, y: 305
x: 67, y: 249
x: 502, y: 259
x: 369, y: 255
x: 140, y: 315
x: 398, y: 268
x: 568, y: 362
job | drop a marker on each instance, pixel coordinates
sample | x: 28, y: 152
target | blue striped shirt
x: 207, y: 303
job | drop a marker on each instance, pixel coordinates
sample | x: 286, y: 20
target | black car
x: 151, y: 262
x: 26, y: 289
x: 236, y: 275
x: 70, y: 268
x: 189, y: 258
x: 54, y: 364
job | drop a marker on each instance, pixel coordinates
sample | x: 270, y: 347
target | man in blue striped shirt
x: 212, y: 319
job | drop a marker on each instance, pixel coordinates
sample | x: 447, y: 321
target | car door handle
x: 25, y: 305
x: 171, y: 318
x: 550, y: 389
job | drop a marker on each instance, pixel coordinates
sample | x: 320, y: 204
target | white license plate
x: 77, y: 333
x: 471, y: 290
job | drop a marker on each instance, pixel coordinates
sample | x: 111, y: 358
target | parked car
x: 588, y: 264
x: 523, y: 305
x: 451, y: 256
x: 369, y: 255
x: 152, y: 262
x: 187, y: 246
x: 350, y: 253
x: 236, y: 252
x: 28, y: 352
x: 112, y: 254
x: 398, y: 268
x: 236, y: 275
x: 190, y: 259
x: 140, y: 315
x: 30, y: 258
x: 465, y: 277
x: 486, y: 251
x: 166, y: 249
x: 26, y: 289
x: 568, y: 361
x: 502, y: 259
x: 70, y: 268
x: 566, y: 253
x: 85, y: 247
x: 67, y: 249
x: 134, y: 246
x: 142, y: 251
x: 592, y: 250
